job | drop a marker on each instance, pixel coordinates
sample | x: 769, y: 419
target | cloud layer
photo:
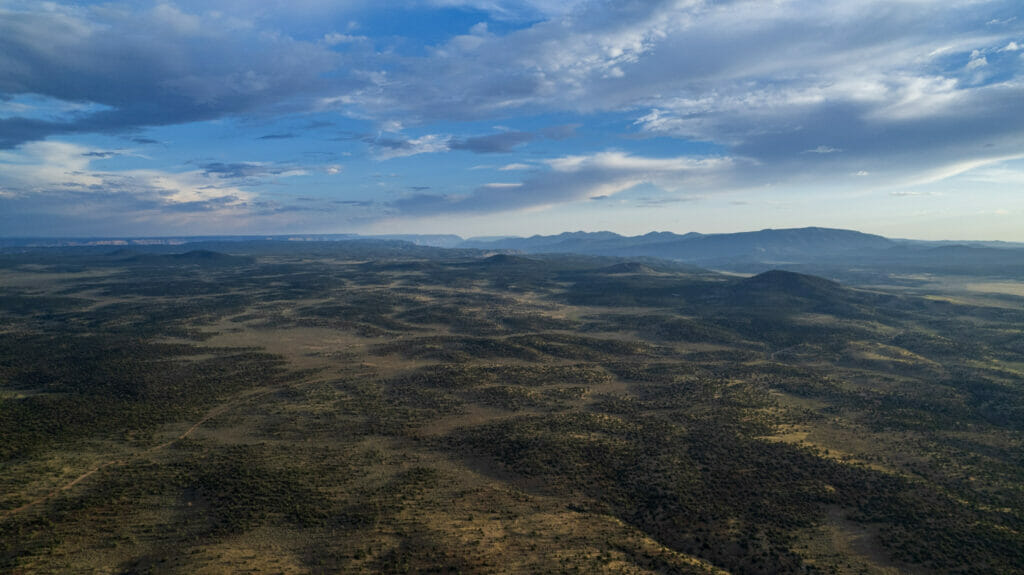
x: 577, y: 100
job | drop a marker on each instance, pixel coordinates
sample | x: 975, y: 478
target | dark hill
x: 506, y: 259
x: 783, y: 292
x: 792, y: 283
x: 627, y: 268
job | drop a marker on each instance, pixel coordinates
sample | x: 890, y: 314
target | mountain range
x: 835, y: 253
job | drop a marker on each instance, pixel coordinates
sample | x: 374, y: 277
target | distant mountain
x: 768, y: 245
x: 853, y: 257
x: 436, y: 240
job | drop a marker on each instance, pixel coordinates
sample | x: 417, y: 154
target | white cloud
x: 577, y: 178
x: 335, y: 38
x: 622, y: 162
x: 823, y: 150
x: 47, y: 167
x: 142, y: 66
x: 503, y: 185
x: 910, y: 193
x: 911, y: 88
x: 428, y: 144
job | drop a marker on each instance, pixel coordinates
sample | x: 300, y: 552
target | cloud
x: 658, y: 202
x: 907, y: 90
x: 883, y: 82
x: 334, y: 38
x: 58, y: 179
x: 907, y: 193
x: 503, y: 185
x: 386, y: 148
x: 249, y: 170
x: 53, y: 168
x: 389, y: 148
x: 508, y: 140
x: 822, y: 150
x: 574, y: 178
x: 148, y: 67
x: 515, y: 9
x: 53, y: 188
x: 502, y: 142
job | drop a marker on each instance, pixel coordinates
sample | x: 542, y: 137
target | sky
x: 511, y: 117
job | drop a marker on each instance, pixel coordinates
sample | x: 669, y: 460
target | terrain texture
x: 380, y: 407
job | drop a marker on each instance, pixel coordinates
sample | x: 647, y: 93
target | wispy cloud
x: 389, y: 148
x: 493, y: 143
x: 575, y: 178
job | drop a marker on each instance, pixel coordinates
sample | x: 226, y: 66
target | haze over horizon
x: 511, y: 117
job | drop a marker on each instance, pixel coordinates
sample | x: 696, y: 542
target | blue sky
x: 494, y: 117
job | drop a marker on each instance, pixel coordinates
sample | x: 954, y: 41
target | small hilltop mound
x: 779, y: 291
x: 506, y: 260
x: 792, y: 283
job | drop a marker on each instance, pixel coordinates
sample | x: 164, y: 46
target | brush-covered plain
x: 377, y: 407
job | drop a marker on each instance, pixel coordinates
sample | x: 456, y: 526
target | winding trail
x: 4, y: 515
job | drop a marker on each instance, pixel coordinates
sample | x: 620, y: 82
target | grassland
x: 364, y: 407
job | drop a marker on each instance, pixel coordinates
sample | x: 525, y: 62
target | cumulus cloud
x: 48, y: 167
x: 147, y: 67
x: 882, y: 80
x: 56, y: 186
x: 906, y: 90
